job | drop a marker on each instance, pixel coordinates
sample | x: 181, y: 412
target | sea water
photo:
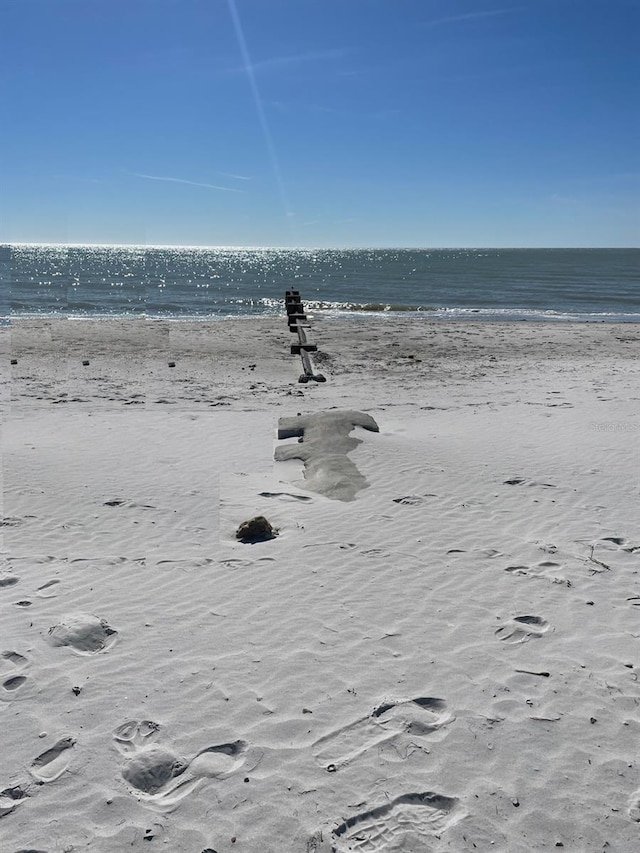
x: 157, y: 281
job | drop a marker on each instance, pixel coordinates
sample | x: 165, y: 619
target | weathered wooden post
x: 295, y: 319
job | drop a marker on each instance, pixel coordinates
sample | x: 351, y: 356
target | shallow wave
x: 252, y: 308
x: 451, y: 313
x: 325, y: 305
x: 371, y: 307
x: 538, y: 314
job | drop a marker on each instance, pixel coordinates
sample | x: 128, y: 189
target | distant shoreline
x: 448, y: 316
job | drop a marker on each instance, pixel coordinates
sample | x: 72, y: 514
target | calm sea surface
x: 533, y: 284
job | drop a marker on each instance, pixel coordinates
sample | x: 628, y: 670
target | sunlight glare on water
x: 174, y: 281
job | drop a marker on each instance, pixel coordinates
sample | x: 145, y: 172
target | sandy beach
x: 446, y: 661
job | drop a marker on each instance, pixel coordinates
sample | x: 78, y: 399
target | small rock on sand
x: 257, y: 529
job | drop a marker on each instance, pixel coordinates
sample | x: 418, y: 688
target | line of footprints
x: 160, y: 778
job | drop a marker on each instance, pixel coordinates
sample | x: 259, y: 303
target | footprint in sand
x: 408, y: 822
x: 150, y: 771
x: 48, y: 589
x: 634, y: 807
x: 12, y: 677
x: 236, y: 563
x: 13, y: 659
x: 50, y: 765
x: 84, y: 634
x: 521, y: 481
x: 518, y: 570
x: 160, y: 777
x: 11, y: 798
x: 8, y: 580
x: 133, y: 734
x: 13, y: 682
x: 13, y: 521
x: 412, y: 500
x: 614, y: 543
x: 419, y: 717
x: 150, y: 767
x: 544, y: 570
x: 522, y: 628
x: 128, y: 504
x: 286, y: 496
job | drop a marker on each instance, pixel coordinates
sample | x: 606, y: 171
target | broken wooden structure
x: 297, y: 321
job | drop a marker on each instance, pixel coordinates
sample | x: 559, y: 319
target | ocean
x: 180, y: 282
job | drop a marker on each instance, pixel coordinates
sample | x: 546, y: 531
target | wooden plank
x: 308, y: 374
x: 302, y: 335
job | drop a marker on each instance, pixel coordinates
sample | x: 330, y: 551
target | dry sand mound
x: 324, y: 442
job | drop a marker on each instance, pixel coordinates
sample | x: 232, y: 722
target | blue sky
x: 320, y: 122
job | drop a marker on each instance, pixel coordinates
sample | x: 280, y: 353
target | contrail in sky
x: 259, y: 108
x: 191, y: 183
x: 470, y: 16
x: 276, y: 62
x: 235, y: 177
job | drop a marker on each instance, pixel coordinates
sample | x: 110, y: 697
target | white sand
x: 447, y: 662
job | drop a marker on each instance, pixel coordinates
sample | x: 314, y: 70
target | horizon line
x: 254, y: 246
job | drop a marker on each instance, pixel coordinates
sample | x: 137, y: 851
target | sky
x: 320, y: 123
